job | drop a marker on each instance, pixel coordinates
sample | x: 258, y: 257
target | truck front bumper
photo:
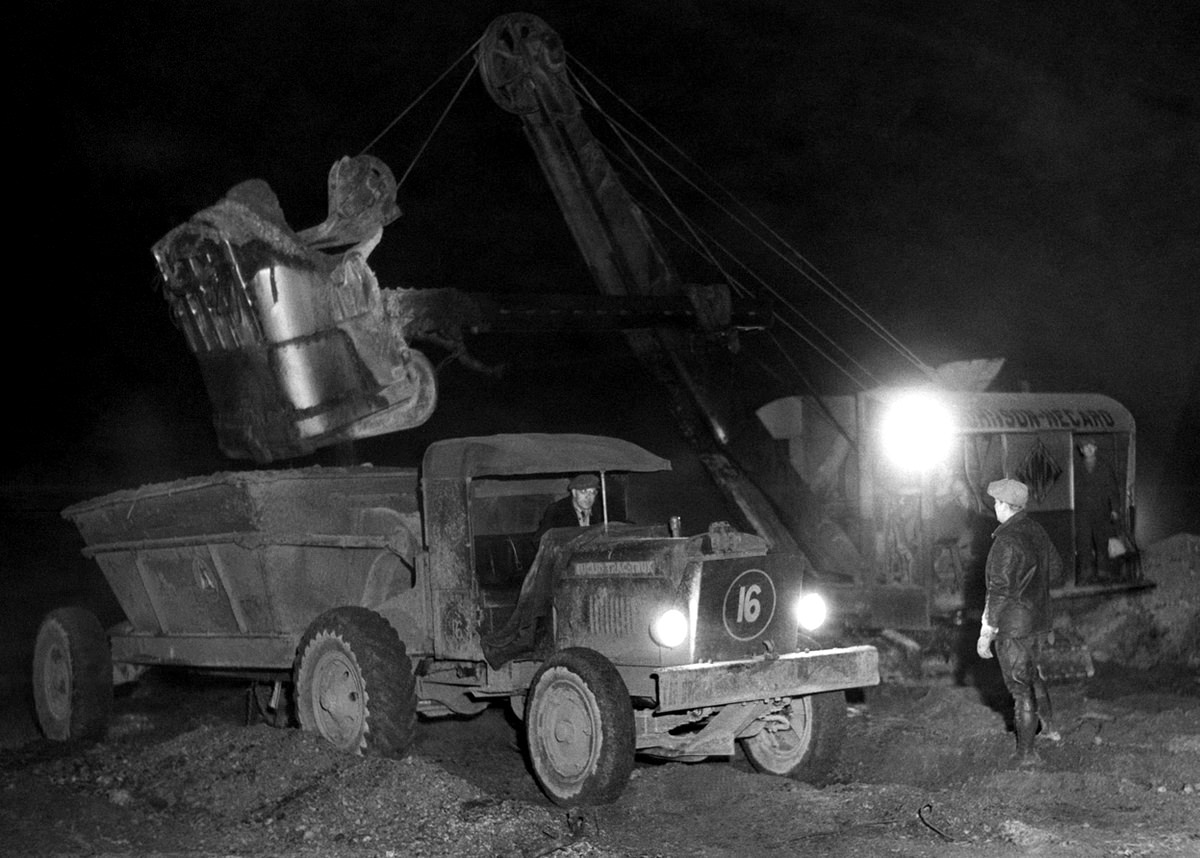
x: 720, y: 683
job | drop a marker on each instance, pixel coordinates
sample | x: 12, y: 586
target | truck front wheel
x: 803, y: 744
x: 354, y: 683
x: 72, y: 676
x: 579, y: 727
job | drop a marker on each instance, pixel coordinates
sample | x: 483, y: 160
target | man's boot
x: 1045, y: 708
x: 1026, y: 721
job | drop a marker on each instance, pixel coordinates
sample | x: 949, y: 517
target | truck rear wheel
x: 354, y: 683
x: 806, y: 746
x: 579, y: 727
x: 72, y: 676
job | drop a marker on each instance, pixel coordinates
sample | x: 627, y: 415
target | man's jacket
x: 1020, y: 566
x: 562, y: 513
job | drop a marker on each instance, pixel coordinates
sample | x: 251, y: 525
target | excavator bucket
x: 295, y: 342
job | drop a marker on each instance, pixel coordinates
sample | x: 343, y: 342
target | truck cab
x: 673, y: 645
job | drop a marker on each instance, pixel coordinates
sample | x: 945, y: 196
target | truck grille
x: 610, y: 614
x: 745, y: 607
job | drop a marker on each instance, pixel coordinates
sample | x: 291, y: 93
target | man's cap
x: 584, y: 481
x: 1012, y: 492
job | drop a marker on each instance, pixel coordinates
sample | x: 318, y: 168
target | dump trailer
x: 377, y: 594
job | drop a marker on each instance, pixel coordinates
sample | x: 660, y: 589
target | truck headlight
x: 670, y: 629
x: 811, y: 612
x: 917, y: 431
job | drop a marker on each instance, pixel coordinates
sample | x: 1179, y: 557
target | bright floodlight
x: 811, y: 612
x: 917, y: 431
x: 670, y: 629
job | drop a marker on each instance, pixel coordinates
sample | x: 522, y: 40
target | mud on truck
x: 380, y: 593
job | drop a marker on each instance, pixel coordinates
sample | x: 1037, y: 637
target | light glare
x: 918, y: 431
x: 670, y: 629
x: 811, y: 612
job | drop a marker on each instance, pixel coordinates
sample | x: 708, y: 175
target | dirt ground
x: 924, y: 771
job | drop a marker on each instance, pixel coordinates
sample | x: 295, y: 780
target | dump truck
x: 380, y: 593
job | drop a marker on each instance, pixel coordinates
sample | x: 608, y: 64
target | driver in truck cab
x: 577, y: 509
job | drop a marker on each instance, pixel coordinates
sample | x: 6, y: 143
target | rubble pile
x: 1157, y: 626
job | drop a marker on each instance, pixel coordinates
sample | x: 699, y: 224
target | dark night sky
x: 987, y: 179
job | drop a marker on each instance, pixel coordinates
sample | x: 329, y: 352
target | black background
x: 1015, y: 180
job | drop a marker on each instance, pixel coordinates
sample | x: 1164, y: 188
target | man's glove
x: 984, y: 645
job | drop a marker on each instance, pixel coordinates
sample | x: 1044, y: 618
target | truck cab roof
x: 533, y: 453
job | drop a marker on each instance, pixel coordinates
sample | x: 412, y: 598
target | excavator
x: 882, y: 491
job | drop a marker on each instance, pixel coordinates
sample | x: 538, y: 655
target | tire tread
x: 382, y: 658
x: 612, y: 696
x: 91, y: 680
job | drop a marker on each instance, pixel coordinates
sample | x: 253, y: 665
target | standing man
x: 576, y: 509
x: 1096, y: 515
x: 1016, y: 615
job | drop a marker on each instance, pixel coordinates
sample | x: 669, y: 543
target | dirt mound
x: 250, y: 787
x: 1159, y: 625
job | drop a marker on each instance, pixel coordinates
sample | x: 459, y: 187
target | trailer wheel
x: 354, y: 683
x: 579, y: 727
x: 72, y: 676
x: 805, y: 746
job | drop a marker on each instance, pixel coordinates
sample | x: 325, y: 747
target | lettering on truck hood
x: 615, y: 569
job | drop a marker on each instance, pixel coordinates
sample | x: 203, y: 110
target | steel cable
x: 816, y: 277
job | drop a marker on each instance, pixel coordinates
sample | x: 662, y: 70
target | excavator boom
x: 523, y: 66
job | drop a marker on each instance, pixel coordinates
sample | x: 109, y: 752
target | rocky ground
x: 924, y: 772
